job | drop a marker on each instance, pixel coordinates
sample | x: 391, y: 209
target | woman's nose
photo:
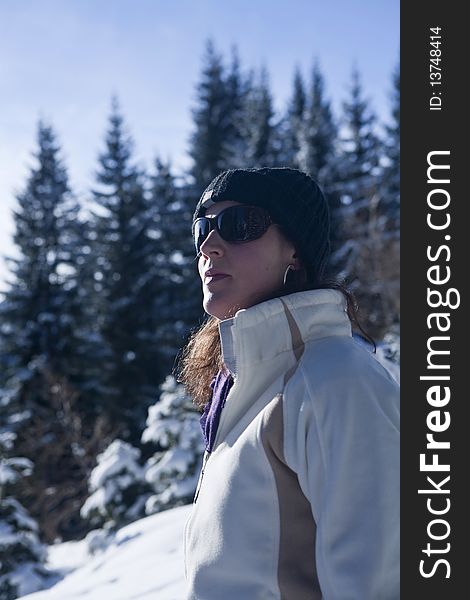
x: 213, y: 244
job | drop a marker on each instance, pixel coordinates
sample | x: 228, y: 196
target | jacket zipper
x: 207, y: 453
x: 204, y: 462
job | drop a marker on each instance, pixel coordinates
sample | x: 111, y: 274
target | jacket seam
x: 326, y: 515
x: 275, y: 513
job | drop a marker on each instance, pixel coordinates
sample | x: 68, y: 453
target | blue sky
x: 63, y: 59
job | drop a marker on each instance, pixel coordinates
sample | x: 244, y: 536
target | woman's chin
x: 220, y: 313
x: 220, y: 307
x: 225, y: 306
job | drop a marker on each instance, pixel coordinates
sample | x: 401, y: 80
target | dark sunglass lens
x: 230, y: 224
x: 201, y: 231
x: 253, y: 222
x: 234, y: 224
x: 258, y: 222
x: 239, y: 224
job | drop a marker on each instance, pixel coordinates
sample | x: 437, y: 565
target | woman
x: 298, y: 497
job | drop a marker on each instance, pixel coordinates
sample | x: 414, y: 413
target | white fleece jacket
x: 300, y: 497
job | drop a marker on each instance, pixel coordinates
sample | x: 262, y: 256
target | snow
x: 173, y: 423
x: 10, y: 469
x: 144, y: 561
x: 116, y: 473
x: 175, y: 460
x: 160, y: 431
x: 19, y: 518
x: 118, y: 457
x: 20, y: 550
x: 26, y: 578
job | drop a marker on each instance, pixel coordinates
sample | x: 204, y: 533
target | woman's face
x: 252, y: 271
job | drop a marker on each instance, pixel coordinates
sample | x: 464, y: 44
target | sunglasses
x: 233, y: 224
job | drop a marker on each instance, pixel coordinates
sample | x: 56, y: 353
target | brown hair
x: 201, y: 358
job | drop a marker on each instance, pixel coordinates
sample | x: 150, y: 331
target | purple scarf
x: 210, y: 418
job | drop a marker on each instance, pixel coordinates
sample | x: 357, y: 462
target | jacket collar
x: 262, y: 346
x: 281, y: 325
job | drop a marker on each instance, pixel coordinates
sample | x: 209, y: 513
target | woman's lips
x: 214, y: 278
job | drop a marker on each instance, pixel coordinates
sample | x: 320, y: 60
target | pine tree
x: 364, y: 255
x: 317, y: 145
x: 236, y: 89
x: 388, y: 216
x: 118, y: 488
x: 121, y: 219
x: 46, y: 339
x: 208, y: 142
x: 22, y: 556
x: 44, y: 275
x: 359, y: 149
x: 174, y: 292
x: 173, y: 426
x: 391, y: 178
x: 257, y: 146
x: 318, y: 135
x: 216, y: 141
x: 357, y: 178
x: 292, y: 124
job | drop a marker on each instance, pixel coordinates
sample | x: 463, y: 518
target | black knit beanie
x: 292, y: 198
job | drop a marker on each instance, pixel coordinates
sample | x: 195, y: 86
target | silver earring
x: 289, y: 267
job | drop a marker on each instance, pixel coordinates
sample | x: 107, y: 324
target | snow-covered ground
x: 144, y: 562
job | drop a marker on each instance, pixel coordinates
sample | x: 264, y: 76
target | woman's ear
x: 292, y: 255
x: 295, y: 260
